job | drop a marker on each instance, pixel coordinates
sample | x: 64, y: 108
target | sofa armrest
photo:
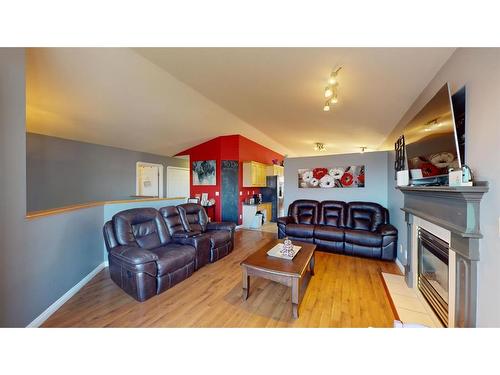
x: 201, y: 243
x: 178, y: 235
x: 221, y: 226
x: 387, y: 230
x: 284, y: 220
x: 133, y: 255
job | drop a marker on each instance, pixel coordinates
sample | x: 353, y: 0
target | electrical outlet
x: 241, y: 217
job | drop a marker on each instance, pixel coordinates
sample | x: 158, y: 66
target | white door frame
x: 145, y: 164
x: 180, y: 168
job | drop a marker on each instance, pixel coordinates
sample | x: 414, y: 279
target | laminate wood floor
x: 345, y: 292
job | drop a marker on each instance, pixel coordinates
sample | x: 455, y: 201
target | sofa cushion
x: 363, y: 237
x: 172, y: 257
x: 304, y: 211
x: 332, y: 213
x: 143, y: 227
x: 193, y: 216
x: 219, y: 237
x: 300, y: 230
x: 366, y: 215
x: 173, y: 220
x: 329, y: 233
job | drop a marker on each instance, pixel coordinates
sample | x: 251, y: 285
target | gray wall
x: 375, y: 189
x: 479, y: 70
x: 41, y: 259
x: 62, y: 172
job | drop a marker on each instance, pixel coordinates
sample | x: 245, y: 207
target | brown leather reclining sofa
x: 354, y: 228
x: 149, y: 251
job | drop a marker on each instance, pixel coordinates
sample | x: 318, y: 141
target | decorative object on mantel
x: 460, y: 177
x: 336, y: 177
x: 399, y: 162
x: 402, y: 178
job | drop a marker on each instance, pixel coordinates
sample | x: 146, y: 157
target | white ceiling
x: 164, y: 100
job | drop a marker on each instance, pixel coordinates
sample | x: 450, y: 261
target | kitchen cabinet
x: 275, y: 170
x: 254, y: 174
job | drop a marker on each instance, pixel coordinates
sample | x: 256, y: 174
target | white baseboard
x: 65, y: 297
x: 400, y: 266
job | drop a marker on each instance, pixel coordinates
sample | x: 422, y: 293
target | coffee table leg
x: 295, y: 297
x: 246, y: 284
x: 311, y: 265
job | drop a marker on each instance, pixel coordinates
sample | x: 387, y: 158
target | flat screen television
x: 431, y: 140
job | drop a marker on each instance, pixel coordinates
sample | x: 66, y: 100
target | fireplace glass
x: 433, y: 272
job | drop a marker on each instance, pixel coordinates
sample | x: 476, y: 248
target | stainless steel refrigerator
x: 273, y: 193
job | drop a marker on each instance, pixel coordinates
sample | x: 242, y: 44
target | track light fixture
x: 318, y: 146
x: 331, y: 90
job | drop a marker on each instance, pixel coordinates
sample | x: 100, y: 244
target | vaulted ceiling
x: 164, y: 100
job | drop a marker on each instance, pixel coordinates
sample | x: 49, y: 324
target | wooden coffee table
x: 283, y: 271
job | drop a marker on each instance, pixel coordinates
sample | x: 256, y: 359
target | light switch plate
x: 241, y: 193
x: 216, y: 193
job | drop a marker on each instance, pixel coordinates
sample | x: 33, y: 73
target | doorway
x: 149, y: 180
x: 178, y: 182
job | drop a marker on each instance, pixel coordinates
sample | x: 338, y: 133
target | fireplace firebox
x: 433, y: 272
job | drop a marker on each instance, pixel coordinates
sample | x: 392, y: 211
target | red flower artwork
x: 361, y: 179
x: 318, y: 173
x: 429, y: 169
x: 347, y: 179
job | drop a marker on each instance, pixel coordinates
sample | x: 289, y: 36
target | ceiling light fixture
x: 331, y: 90
x: 333, y: 77
x: 328, y: 92
x: 318, y: 146
x: 363, y: 149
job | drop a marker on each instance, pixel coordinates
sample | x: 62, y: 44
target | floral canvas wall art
x: 336, y: 177
x: 204, y: 172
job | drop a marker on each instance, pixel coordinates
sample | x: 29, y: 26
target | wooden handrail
x: 74, y: 207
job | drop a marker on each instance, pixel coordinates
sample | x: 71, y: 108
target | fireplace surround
x: 451, y: 215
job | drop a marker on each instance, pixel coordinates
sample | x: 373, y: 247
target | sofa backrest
x: 332, y: 213
x: 304, y: 211
x: 172, y: 219
x: 366, y: 215
x: 143, y: 227
x: 193, y: 216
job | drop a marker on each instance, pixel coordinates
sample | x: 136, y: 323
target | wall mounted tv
x: 431, y: 139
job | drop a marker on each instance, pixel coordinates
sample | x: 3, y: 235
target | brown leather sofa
x: 149, y: 252
x: 221, y: 234
x: 354, y: 228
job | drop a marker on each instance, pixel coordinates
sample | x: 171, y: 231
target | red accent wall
x: 229, y: 147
